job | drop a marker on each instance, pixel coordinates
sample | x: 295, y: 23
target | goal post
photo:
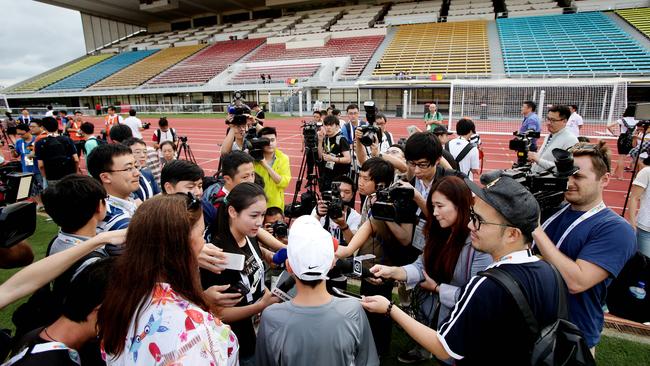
x: 495, y: 105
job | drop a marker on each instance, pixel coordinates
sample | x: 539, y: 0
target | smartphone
x: 234, y: 261
x: 343, y: 293
x: 412, y: 129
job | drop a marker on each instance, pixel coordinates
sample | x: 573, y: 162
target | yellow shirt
x: 275, y: 191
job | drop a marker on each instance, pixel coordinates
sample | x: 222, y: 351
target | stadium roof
x: 130, y: 11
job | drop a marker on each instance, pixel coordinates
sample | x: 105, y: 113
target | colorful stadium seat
x: 639, y: 18
x: 100, y: 71
x: 446, y: 48
x: 582, y: 43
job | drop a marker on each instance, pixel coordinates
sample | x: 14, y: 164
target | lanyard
x: 45, y: 347
x: 518, y: 257
x: 601, y: 206
x: 256, y: 277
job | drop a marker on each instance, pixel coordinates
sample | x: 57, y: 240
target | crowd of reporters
x: 407, y: 211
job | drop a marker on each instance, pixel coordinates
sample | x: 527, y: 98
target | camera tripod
x: 644, y: 125
x: 186, y: 150
x: 309, y: 170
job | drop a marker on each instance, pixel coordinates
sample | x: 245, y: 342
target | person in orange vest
x: 74, y: 133
x: 111, y: 119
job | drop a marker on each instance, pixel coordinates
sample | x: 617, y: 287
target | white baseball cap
x: 310, y: 250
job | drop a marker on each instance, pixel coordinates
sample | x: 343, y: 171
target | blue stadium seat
x: 93, y: 74
x: 582, y: 43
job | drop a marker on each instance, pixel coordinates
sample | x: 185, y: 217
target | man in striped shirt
x: 113, y: 165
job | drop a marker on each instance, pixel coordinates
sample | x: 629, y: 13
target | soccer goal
x: 495, y: 105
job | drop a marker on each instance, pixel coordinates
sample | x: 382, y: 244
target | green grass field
x: 611, y: 351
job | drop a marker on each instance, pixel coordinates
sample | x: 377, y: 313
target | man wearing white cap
x: 315, y: 327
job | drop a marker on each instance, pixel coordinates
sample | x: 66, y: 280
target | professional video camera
x: 17, y: 219
x: 255, y: 145
x: 280, y: 229
x: 521, y: 144
x: 370, y: 131
x: 394, y: 203
x: 547, y: 187
x: 310, y: 134
x: 333, y: 201
x: 239, y: 117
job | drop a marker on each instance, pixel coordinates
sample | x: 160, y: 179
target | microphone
x: 354, y: 267
x: 285, y: 287
x: 280, y: 256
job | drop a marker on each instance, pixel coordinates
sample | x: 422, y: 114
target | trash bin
x: 399, y: 110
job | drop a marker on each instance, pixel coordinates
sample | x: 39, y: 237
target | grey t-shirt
x: 337, y: 333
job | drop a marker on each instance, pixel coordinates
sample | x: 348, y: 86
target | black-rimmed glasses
x: 477, y: 221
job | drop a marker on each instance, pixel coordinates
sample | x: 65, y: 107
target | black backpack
x: 57, y: 157
x: 560, y: 343
x: 620, y: 300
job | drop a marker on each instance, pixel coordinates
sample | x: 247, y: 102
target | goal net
x: 495, y: 105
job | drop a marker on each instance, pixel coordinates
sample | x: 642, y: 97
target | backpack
x: 388, y: 138
x: 463, y: 153
x: 159, y: 133
x: 57, y: 157
x: 560, y: 343
x: 620, y: 301
x: 214, y: 185
x: 99, y: 143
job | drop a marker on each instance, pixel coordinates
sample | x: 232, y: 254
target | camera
x: 146, y: 125
x: 333, y: 201
x: 548, y: 188
x: 310, y: 134
x: 255, y: 145
x: 182, y: 139
x: 394, y: 203
x: 521, y: 144
x: 370, y: 131
x: 17, y: 219
x: 280, y: 229
x: 303, y: 207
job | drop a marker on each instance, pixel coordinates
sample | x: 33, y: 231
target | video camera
x: 521, y: 144
x: 333, y: 201
x: 547, y: 187
x: 370, y: 131
x: 17, y: 219
x: 303, y: 207
x: 255, y: 145
x: 394, y: 203
x: 280, y: 229
x: 310, y: 134
x: 146, y: 125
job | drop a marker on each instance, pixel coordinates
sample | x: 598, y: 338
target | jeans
x: 643, y: 240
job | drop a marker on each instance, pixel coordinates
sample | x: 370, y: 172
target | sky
x: 36, y: 37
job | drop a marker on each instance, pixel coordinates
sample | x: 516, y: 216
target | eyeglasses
x: 193, y: 203
x: 554, y: 119
x: 477, y: 221
x: 130, y: 169
x: 414, y: 164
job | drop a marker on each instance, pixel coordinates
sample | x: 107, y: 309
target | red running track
x: 206, y: 135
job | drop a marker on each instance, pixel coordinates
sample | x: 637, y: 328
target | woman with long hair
x: 154, y: 311
x: 240, y: 217
x: 448, y: 260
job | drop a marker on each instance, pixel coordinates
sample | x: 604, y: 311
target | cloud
x: 36, y: 37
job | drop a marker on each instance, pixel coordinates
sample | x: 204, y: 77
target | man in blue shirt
x: 24, y: 148
x: 530, y: 122
x: 587, y: 242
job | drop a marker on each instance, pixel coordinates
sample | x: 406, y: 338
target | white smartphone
x: 234, y: 261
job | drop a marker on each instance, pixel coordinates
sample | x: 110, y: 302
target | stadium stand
x: 525, y: 8
x: 597, y: 5
x: 359, y: 49
x: 147, y: 68
x: 460, y: 10
x: 316, y: 22
x: 206, y: 64
x: 61, y: 73
x: 412, y: 13
x: 359, y: 18
x: 582, y: 43
x: 639, y: 18
x: 447, y: 48
x: 278, y: 73
x: 99, y: 71
x: 277, y: 26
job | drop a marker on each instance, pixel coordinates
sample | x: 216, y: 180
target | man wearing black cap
x: 443, y: 135
x: 485, y: 326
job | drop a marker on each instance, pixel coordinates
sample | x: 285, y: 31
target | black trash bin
x: 399, y: 110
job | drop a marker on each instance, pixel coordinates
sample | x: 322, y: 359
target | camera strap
x: 601, y: 206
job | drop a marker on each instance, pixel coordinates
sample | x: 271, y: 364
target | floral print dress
x: 172, y: 331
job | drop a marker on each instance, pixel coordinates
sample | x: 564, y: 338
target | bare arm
x: 269, y: 240
x: 37, y: 274
x: 635, y: 197
x: 396, y: 162
x: 362, y: 234
x: 403, y: 232
x: 226, y: 146
x: 234, y: 314
x: 579, y: 275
